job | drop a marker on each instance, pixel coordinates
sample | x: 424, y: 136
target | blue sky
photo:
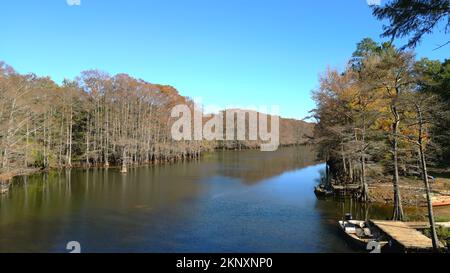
x: 227, y: 52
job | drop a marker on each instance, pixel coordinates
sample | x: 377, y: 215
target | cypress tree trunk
x: 423, y: 162
x: 365, y: 188
x: 398, y: 208
x: 124, y: 161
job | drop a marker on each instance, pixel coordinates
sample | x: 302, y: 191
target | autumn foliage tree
x: 97, y: 120
x: 364, y: 117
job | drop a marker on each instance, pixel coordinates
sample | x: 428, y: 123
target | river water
x: 228, y: 201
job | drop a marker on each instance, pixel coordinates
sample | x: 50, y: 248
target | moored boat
x: 322, y: 191
x: 441, y: 201
x: 360, y: 234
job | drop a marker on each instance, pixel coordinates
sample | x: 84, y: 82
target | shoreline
x: 6, y: 179
x: 412, y: 191
x: 413, y: 195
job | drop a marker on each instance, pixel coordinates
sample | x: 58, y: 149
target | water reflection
x: 254, y: 166
x: 230, y: 201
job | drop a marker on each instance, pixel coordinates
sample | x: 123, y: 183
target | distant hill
x: 292, y: 132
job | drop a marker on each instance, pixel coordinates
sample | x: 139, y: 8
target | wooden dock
x: 345, y: 187
x: 425, y: 225
x: 405, y: 235
x: 345, y: 190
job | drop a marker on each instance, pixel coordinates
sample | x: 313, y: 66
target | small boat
x: 441, y: 201
x: 360, y: 234
x: 4, y: 188
x: 322, y: 191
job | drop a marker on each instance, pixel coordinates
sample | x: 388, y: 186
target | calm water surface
x: 230, y: 201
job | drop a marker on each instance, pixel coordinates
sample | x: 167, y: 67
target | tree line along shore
x: 99, y: 120
x: 386, y: 115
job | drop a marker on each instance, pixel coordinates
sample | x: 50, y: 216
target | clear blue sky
x: 228, y: 52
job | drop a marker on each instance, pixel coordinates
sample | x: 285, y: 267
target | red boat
x: 441, y: 201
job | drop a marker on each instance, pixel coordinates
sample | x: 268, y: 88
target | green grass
x: 443, y: 235
x: 442, y: 218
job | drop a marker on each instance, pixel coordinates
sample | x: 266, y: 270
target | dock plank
x: 425, y: 225
x: 405, y: 235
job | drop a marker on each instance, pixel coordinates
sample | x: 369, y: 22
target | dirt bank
x: 413, y: 192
